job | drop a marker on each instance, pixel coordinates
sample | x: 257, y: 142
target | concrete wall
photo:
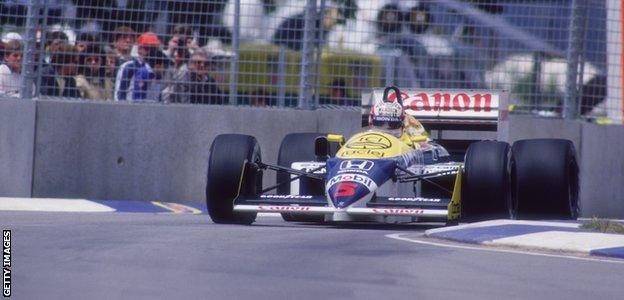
x: 153, y: 152
x: 17, y: 134
x: 517, y: 127
x: 602, y: 171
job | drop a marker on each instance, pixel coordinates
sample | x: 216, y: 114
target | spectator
x: 148, y: 44
x: 148, y: 83
x: 52, y: 40
x: 181, y: 43
x: 111, y: 67
x: 91, y: 81
x: 123, y: 40
x: 179, y: 50
x: 10, y: 68
x: 85, y: 39
x: 11, y: 36
x: 259, y: 98
x: 194, y: 84
x: 57, y: 79
x: 337, y: 93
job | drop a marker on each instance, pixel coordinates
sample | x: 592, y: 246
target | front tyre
x: 486, y: 188
x: 299, y: 147
x: 228, y: 155
x: 546, y: 179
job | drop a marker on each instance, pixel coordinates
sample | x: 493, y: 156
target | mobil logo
x: 357, y: 178
x: 352, y: 164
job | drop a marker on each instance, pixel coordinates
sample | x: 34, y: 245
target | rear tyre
x: 486, y: 186
x: 299, y: 147
x: 228, y: 154
x: 546, y: 179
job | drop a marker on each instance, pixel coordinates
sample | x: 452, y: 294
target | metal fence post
x: 305, y: 82
x: 281, y: 77
x: 27, y: 77
x: 575, y: 45
x: 319, y: 55
x: 236, y: 51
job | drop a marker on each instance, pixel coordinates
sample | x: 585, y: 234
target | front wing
x: 378, y: 206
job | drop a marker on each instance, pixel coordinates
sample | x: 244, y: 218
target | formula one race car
x: 377, y: 176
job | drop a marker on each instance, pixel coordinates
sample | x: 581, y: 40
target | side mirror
x: 336, y: 138
x: 321, y: 148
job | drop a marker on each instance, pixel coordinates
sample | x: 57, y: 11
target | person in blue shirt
x: 148, y: 83
x: 148, y: 46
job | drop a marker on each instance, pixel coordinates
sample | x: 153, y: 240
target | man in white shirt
x: 11, y: 68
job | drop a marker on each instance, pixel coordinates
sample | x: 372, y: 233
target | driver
x: 389, y: 117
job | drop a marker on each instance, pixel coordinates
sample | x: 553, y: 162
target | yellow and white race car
x: 375, y: 176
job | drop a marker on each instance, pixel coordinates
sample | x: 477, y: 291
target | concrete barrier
x: 518, y: 127
x: 17, y: 135
x: 602, y: 171
x: 153, y: 152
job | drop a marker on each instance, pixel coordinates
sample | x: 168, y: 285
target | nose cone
x: 346, y: 193
x: 350, y: 180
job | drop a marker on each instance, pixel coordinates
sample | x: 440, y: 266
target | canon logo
x: 446, y: 102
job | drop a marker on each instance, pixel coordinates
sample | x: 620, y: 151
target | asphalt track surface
x: 138, y: 256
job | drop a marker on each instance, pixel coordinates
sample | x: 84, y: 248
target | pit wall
x: 147, y: 152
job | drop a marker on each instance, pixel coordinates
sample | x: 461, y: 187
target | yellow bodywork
x: 373, y: 145
x: 454, y: 208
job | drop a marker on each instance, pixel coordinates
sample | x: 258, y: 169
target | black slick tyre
x: 228, y: 155
x: 546, y: 179
x: 298, y: 147
x: 486, y: 185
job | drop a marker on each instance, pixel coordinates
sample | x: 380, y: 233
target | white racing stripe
x: 400, y: 237
x: 52, y: 205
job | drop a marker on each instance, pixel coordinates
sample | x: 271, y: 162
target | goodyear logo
x: 415, y: 199
x: 286, y: 197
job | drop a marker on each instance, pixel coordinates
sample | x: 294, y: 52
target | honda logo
x: 357, y: 164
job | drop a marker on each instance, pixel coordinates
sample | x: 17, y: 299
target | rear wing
x: 452, y: 109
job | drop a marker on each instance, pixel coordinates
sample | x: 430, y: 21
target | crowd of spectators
x: 131, y: 67
x: 106, y: 50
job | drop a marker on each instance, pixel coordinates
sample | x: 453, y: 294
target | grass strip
x: 604, y: 226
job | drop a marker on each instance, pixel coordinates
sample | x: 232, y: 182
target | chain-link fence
x: 557, y: 57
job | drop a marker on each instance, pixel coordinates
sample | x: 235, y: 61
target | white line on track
x: 398, y: 236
